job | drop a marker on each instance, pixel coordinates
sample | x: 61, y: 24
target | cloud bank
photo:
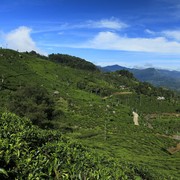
x: 20, y: 39
x: 112, y: 41
x: 166, y: 42
x: 173, y: 34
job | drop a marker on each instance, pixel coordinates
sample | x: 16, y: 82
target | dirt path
x: 117, y: 93
x: 153, y: 115
x: 173, y: 150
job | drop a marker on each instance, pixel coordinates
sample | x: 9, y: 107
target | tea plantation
x: 63, y: 120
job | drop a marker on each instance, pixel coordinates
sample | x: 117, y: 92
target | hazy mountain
x: 113, y: 68
x: 158, y: 77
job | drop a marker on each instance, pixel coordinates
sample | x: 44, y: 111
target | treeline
x: 73, y: 62
x: 64, y: 59
x: 34, y: 53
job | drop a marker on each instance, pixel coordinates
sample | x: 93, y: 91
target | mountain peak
x: 114, y: 67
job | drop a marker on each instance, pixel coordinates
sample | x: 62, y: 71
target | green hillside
x: 92, y: 112
x: 157, y: 77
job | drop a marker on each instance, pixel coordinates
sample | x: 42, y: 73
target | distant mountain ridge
x: 114, y: 68
x: 157, y: 77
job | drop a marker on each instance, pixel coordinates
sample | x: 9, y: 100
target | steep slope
x: 95, y: 108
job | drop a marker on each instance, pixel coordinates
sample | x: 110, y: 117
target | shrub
x: 27, y: 152
x: 33, y: 102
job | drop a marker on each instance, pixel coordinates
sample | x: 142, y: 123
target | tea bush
x: 27, y: 152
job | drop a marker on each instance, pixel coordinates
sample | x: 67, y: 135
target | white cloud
x: 111, y: 23
x: 20, y: 39
x: 112, y: 41
x: 174, y: 34
x: 60, y: 33
x: 150, y: 31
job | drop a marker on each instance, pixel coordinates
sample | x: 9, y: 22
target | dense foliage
x: 33, y: 102
x: 27, y: 152
x: 126, y: 73
x: 35, y: 54
x: 147, y: 89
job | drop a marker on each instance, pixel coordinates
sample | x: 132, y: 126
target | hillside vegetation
x: 80, y: 122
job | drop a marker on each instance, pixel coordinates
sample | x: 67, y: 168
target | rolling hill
x: 80, y: 122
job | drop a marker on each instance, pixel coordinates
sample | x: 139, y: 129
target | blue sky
x: 132, y: 33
